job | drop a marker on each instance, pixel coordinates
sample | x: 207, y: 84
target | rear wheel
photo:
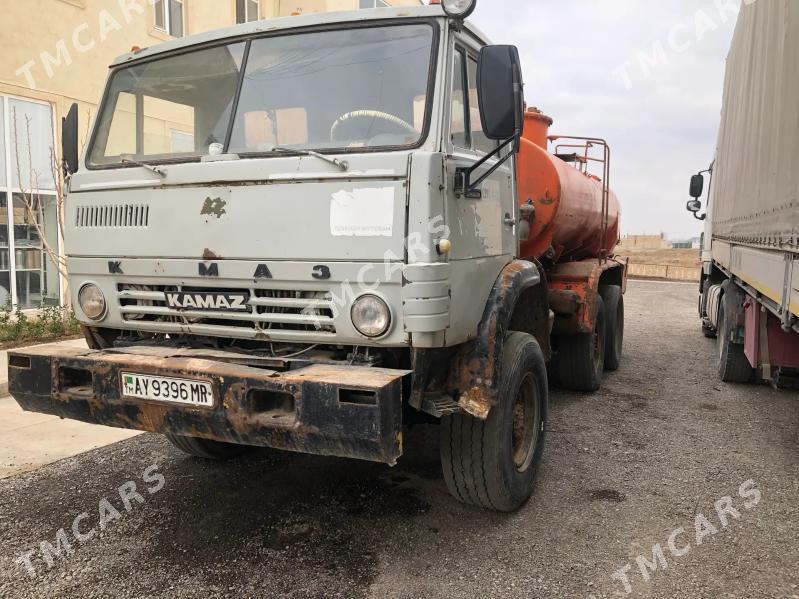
x: 207, y: 449
x: 580, y: 360
x: 613, y: 299
x: 733, y: 365
x: 492, y: 464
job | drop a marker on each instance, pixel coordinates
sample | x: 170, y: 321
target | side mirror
x: 697, y: 186
x: 69, y: 141
x: 500, y: 90
x: 694, y: 206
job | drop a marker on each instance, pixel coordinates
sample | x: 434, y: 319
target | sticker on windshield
x: 362, y: 212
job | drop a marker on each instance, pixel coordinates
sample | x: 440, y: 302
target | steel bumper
x: 346, y: 411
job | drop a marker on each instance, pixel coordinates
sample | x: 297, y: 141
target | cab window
x: 458, y: 129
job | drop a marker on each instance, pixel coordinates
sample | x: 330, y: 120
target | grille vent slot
x: 112, y: 216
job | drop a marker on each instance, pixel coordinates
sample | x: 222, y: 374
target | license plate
x: 167, y: 389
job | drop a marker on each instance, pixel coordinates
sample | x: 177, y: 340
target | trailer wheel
x: 493, y: 463
x: 613, y: 299
x: 580, y: 361
x: 206, y: 448
x: 733, y: 364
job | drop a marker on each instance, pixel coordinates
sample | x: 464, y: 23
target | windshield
x: 343, y: 90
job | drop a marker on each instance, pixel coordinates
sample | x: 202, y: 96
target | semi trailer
x: 749, y: 290
x: 313, y: 232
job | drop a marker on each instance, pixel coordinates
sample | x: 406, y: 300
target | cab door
x: 481, y: 227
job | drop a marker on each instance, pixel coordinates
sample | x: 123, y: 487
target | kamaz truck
x: 749, y: 290
x: 312, y: 232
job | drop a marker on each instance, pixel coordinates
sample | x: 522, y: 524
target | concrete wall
x: 644, y: 242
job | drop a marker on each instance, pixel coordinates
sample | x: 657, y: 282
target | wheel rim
x: 526, y: 423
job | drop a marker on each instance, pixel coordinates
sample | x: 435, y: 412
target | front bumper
x: 345, y: 411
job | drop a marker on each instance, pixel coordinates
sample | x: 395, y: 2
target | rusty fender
x: 573, y: 289
x: 477, y: 367
x: 333, y: 410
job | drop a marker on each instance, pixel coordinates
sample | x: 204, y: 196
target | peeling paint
x: 214, y: 207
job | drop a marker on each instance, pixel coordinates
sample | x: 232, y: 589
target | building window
x: 373, y: 3
x: 247, y: 10
x: 169, y: 16
x: 28, y: 205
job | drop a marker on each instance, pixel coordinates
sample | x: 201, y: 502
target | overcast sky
x: 660, y: 113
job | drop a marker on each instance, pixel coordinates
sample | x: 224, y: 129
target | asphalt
x: 624, y: 470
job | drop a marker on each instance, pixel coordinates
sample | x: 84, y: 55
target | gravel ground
x: 653, y: 452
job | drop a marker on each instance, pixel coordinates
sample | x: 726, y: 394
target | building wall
x: 643, y: 242
x: 54, y: 53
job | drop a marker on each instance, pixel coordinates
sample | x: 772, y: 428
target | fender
x: 475, y: 370
x: 574, y: 287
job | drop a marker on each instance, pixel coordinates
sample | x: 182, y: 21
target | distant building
x: 644, y: 242
x: 688, y: 244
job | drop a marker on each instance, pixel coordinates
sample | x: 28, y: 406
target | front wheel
x: 207, y: 449
x: 493, y: 463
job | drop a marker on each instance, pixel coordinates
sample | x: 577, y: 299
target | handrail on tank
x: 588, y: 143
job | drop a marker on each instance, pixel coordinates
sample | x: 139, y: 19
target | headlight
x: 459, y: 9
x: 92, y: 301
x: 370, y: 315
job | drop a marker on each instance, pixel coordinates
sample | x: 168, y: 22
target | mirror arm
x: 463, y: 175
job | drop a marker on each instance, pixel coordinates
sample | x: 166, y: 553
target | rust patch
x: 476, y: 402
x: 214, y: 207
x: 210, y: 255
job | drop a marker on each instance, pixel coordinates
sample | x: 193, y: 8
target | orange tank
x: 568, y: 213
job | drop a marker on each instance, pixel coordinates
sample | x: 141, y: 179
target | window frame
x: 10, y: 190
x: 375, y: 4
x: 248, y: 39
x: 167, y: 18
x: 247, y: 15
x: 467, y: 125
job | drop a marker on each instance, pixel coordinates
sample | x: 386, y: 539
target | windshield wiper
x: 160, y: 172
x: 342, y: 164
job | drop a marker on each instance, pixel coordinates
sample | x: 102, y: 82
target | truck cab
x: 304, y: 234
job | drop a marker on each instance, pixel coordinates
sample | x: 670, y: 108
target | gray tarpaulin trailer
x: 750, y: 282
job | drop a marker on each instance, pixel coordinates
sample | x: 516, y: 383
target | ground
x: 624, y: 468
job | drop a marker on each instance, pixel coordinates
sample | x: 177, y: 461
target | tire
x: 613, y: 299
x: 733, y: 365
x: 207, y: 449
x: 492, y: 464
x: 580, y: 361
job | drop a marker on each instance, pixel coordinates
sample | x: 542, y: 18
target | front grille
x: 294, y: 314
x: 112, y: 216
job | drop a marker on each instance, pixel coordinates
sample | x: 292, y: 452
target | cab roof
x: 287, y: 23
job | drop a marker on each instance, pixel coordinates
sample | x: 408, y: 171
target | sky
x: 646, y: 75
